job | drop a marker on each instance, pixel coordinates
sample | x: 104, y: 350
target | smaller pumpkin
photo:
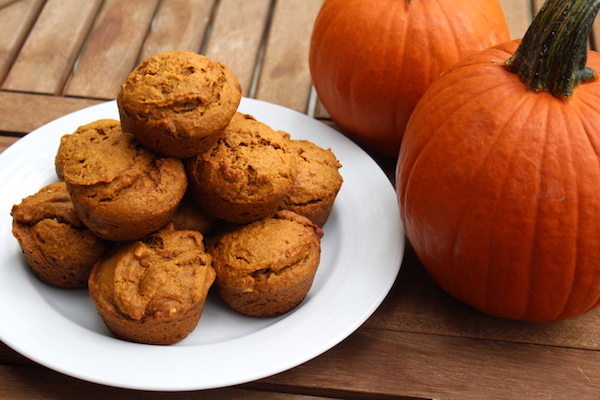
x: 372, y: 60
x: 499, y: 173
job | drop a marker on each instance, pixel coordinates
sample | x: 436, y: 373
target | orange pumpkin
x: 372, y: 60
x: 499, y: 173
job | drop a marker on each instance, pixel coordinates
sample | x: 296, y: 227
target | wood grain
x: 48, y: 56
x: 112, y: 49
x: 285, y: 76
x: 417, y: 304
x: 236, y: 37
x: 6, y: 141
x: 441, y: 367
x: 518, y: 16
x: 17, y: 382
x: 16, y: 21
x: 179, y: 25
x: 30, y: 111
x: 4, y: 3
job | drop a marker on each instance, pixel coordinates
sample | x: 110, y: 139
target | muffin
x: 60, y: 250
x: 120, y: 190
x: 246, y: 174
x: 189, y: 217
x: 153, y: 291
x: 266, y: 268
x: 317, y: 184
x: 178, y: 103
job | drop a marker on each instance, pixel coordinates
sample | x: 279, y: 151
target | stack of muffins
x: 182, y: 193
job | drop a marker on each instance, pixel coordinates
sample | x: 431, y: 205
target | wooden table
x: 57, y: 56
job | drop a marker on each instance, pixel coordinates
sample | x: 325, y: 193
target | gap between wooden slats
x: 16, y: 20
x: 112, y: 49
x: 443, y: 367
x: 52, y: 46
x: 285, y: 76
x: 178, y: 25
x: 237, y: 36
x: 44, y: 63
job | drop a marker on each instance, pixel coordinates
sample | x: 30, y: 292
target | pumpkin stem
x: 553, y: 54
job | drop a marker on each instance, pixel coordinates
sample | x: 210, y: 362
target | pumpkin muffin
x: 317, y: 184
x: 153, y: 291
x: 246, y: 174
x: 58, y: 247
x: 190, y: 217
x: 178, y: 103
x: 120, y: 190
x: 266, y: 268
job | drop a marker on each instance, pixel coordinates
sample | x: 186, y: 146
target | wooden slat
x: 15, y: 23
x: 40, y: 383
x: 4, y: 3
x: 285, y: 76
x: 417, y: 304
x: 6, y: 141
x: 518, y: 16
x: 112, y: 49
x: 44, y: 63
x: 236, y: 37
x: 29, y: 111
x: 440, y: 367
x: 595, y: 35
x: 179, y: 25
x: 536, y: 5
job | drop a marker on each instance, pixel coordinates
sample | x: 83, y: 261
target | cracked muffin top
x: 120, y: 190
x: 57, y: 245
x: 317, y: 184
x: 177, y: 103
x: 267, y: 267
x: 250, y: 169
x: 162, y: 275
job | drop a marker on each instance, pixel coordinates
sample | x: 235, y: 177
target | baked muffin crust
x: 317, y: 184
x: 177, y: 103
x: 153, y: 290
x: 246, y: 174
x: 266, y: 268
x: 120, y: 190
x: 57, y: 246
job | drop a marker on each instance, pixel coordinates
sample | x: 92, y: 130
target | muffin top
x: 55, y: 239
x: 50, y: 202
x: 99, y: 152
x: 179, y: 82
x: 163, y: 275
x: 110, y: 165
x: 318, y: 175
x: 269, y: 252
x: 251, y: 162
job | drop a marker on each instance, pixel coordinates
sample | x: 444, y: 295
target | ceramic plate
x: 362, y: 251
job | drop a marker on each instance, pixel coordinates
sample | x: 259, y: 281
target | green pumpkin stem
x: 553, y: 53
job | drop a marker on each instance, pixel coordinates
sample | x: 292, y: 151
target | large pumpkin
x: 372, y: 60
x: 499, y: 173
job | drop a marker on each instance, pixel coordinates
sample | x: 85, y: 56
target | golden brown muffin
x: 266, y: 268
x: 246, y: 174
x: 178, y: 103
x: 60, y: 250
x: 190, y: 217
x: 153, y: 291
x: 317, y: 184
x: 120, y: 190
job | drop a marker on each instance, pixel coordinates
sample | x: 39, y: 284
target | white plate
x: 362, y: 251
